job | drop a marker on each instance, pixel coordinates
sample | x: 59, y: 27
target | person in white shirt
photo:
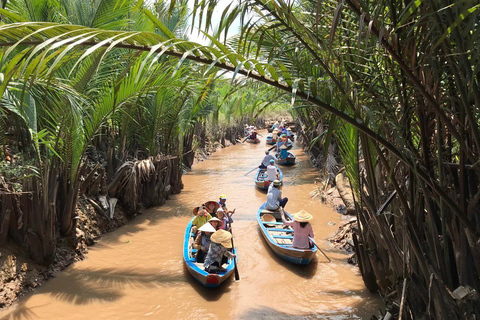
x: 274, y: 196
x: 266, y: 160
x: 272, y: 171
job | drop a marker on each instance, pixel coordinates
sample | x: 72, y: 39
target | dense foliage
x: 393, y: 83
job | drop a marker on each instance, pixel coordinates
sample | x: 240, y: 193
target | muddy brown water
x: 137, y: 271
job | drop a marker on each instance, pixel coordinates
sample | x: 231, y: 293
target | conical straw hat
x: 222, y: 237
x: 207, y: 227
x: 302, y: 216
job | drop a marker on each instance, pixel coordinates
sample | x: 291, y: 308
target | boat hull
x: 288, y: 161
x: 210, y: 280
x: 286, y: 252
x: 253, y: 141
x: 262, y: 183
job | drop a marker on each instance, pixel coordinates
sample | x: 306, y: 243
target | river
x: 137, y: 271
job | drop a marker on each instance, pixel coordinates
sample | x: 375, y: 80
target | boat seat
x: 277, y: 223
x: 280, y: 230
x: 282, y: 237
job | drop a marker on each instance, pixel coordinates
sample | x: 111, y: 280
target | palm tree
x: 393, y: 82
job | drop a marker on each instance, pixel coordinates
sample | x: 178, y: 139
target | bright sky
x: 222, y: 4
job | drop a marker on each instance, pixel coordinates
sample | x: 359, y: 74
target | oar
x: 250, y: 171
x: 272, y: 147
x: 237, y: 276
x: 311, y: 239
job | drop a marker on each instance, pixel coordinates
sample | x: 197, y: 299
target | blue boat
x: 280, y: 237
x: 261, y: 181
x: 269, y: 140
x: 210, y: 280
x: 288, y: 161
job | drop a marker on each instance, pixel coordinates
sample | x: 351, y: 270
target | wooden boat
x: 210, y: 280
x: 280, y: 238
x: 253, y: 141
x: 261, y: 181
x: 288, y: 161
x: 270, y: 140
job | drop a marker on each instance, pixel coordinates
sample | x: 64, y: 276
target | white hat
x: 207, y: 227
x: 215, y: 219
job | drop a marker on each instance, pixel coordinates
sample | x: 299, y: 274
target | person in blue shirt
x: 282, y: 145
x: 223, y: 204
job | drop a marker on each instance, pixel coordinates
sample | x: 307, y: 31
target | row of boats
x: 278, y: 236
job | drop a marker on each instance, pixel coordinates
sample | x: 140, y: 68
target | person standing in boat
x: 274, y: 197
x: 202, y: 242
x: 272, y: 171
x: 221, y: 241
x: 201, y: 217
x: 302, y: 229
x: 266, y: 160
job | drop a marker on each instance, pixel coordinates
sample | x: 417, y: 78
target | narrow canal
x: 137, y: 272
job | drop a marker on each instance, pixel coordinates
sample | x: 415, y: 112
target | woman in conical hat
x: 202, y: 242
x: 221, y: 241
x: 302, y: 229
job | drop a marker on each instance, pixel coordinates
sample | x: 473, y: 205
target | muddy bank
x: 20, y: 275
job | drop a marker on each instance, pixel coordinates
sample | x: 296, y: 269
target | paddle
x: 313, y: 241
x: 237, y: 276
x: 250, y: 171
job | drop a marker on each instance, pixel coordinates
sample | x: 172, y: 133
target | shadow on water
x: 307, y: 271
x: 268, y: 313
x: 90, y: 285
x: 208, y: 294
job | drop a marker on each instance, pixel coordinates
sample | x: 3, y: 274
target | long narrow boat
x: 253, y: 141
x: 280, y: 237
x: 288, y: 161
x: 210, y: 280
x: 269, y: 140
x: 261, y: 181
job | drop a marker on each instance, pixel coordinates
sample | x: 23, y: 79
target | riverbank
x: 20, y: 275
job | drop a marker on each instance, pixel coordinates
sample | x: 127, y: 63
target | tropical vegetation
x: 393, y: 84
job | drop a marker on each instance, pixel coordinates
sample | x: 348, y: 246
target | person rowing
x: 274, y: 197
x: 302, y: 229
x: 266, y: 160
x: 221, y: 241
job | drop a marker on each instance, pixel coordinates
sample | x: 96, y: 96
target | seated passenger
x: 215, y: 222
x: 272, y: 171
x: 283, y: 152
x: 202, y: 216
x: 225, y: 218
x: 274, y: 197
x: 275, y: 134
x: 221, y: 240
x: 202, y: 242
x: 302, y: 229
